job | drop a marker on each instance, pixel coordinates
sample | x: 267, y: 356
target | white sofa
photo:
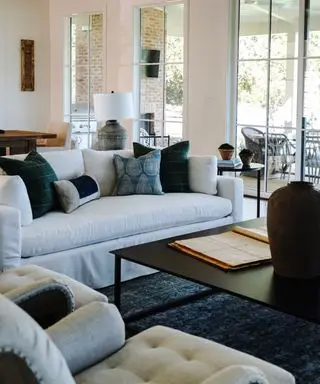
x: 78, y: 244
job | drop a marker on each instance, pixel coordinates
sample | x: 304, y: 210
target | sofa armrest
x: 13, y: 193
x: 88, y: 335
x: 232, y: 188
x: 46, y: 301
x: 10, y: 237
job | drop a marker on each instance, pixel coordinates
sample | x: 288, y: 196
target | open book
x: 230, y: 250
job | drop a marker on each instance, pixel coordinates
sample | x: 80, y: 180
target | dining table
x: 13, y: 142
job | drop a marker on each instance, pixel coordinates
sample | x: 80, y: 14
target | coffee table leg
x: 117, y: 281
x: 258, y: 192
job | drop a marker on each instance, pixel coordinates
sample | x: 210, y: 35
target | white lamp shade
x: 113, y: 106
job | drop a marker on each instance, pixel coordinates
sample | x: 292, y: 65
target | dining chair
x: 62, y: 141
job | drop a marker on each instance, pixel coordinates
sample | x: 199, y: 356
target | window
x: 159, y: 66
x: 278, y: 88
x: 83, y: 74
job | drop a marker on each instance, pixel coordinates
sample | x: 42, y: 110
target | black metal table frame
x: 155, y: 308
x: 248, y: 170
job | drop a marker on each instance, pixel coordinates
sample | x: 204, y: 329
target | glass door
x: 311, y: 97
x: 278, y: 108
x: 268, y: 55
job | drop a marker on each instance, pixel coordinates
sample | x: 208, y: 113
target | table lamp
x: 111, y: 107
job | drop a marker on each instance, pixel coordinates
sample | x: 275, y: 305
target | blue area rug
x: 284, y: 340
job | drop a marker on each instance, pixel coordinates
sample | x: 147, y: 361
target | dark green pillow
x: 174, y: 174
x: 38, y: 177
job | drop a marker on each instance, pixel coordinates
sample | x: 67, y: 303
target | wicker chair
x: 280, y: 151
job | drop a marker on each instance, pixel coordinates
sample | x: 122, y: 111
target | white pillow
x: 13, y: 192
x: 203, y: 174
x: 99, y: 164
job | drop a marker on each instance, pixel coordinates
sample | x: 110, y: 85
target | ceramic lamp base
x: 112, y: 136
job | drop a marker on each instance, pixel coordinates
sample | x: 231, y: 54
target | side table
x: 254, y: 167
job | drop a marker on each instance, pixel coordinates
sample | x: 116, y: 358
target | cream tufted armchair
x: 88, y: 346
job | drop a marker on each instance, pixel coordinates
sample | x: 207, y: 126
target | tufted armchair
x: 88, y: 346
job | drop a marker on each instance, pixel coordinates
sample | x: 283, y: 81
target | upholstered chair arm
x: 27, y: 355
x: 10, y: 237
x: 239, y: 374
x: 232, y: 188
x: 88, y: 335
x: 46, y: 301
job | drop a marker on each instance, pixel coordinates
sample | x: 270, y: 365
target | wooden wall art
x: 27, y: 65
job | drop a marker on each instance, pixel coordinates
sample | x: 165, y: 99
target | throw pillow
x: 74, y: 193
x: 138, y: 176
x: 174, y: 174
x: 38, y: 177
x: 203, y: 174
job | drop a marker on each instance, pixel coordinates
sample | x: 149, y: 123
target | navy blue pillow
x: 76, y: 192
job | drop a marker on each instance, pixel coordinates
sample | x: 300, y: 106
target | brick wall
x: 86, y: 75
x: 152, y: 37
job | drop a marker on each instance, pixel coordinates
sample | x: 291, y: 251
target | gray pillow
x: 76, y: 192
x: 139, y: 176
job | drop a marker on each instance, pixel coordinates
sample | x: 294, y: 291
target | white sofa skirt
x: 93, y: 264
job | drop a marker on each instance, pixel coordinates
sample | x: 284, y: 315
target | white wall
x: 24, y: 19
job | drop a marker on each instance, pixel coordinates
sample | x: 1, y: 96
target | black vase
x: 293, y: 223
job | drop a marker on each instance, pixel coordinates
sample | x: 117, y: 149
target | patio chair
x: 312, y: 156
x: 280, y: 151
x: 151, y: 140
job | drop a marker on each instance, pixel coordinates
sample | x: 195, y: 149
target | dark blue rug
x: 284, y: 340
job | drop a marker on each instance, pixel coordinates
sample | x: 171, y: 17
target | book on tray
x: 236, y: 249
x: 229, y: 163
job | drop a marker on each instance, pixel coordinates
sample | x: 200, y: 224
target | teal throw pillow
x: 138, y: 176
x: 174, y: 170
x: 38, y: 177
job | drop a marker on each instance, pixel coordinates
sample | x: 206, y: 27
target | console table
x: 254, y: 167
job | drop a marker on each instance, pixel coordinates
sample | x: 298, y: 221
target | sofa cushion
x: 114, y: 217
x: 99, y: 164
x: 203, y: 174
x: 138, y: 176
x: 164, y: 355
x: 67, y: 164
x: 38, y: 176
x: 174, y: 165
x: 76, y: 192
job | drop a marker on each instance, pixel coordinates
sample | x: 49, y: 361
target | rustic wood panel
x: 27, y: 65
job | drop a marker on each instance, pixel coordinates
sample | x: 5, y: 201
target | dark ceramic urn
x: 293, y: 222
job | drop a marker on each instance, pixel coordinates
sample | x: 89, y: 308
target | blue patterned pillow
x: 138, y: 176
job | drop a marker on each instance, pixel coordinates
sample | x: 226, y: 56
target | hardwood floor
x: 250, y: 208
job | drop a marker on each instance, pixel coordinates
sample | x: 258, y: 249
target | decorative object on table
x: 246, y: 156
x: 76, y: 192
x: 226, y: 151
x: 27, y: 65
x: 293, y: 222
x: 111, y: 107
x: 229, y: 163
x: 174, y: 168
x: 138, y: 176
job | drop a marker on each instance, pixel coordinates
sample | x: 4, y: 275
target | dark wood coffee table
x: 259, y: 284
